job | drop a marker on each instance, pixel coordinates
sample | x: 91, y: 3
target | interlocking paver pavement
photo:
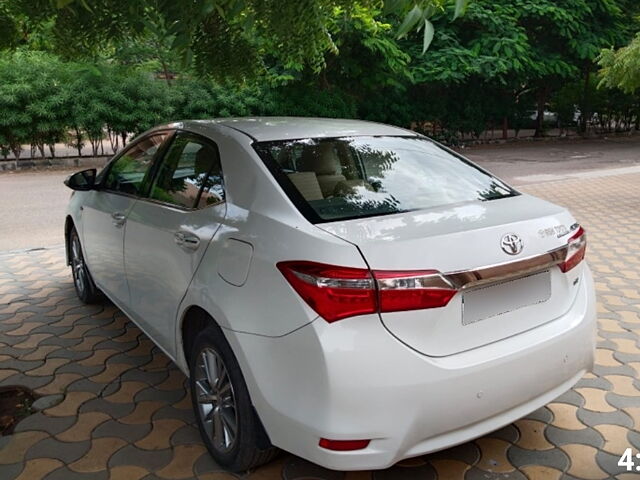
x: 126, y: 413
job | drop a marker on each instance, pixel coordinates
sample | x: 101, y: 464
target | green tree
x: 198, y: 99
x: 135, y: 101
x: 8, y: 27
x: 621, y: 68
x: 113, y: 102
x: 33, y: 100
x: 150, y: 51
x: 370, y: 62
x: 220, y: 38
x: 23, y: 26
x: 518, y: 50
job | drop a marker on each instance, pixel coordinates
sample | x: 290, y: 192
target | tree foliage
x: 621, y: 68
x: 97, y: 71
x: 519, y: 51
x: 33, y: 101
x: 220, y: 38
x: 45, y: 101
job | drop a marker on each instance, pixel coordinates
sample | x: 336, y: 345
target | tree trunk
x: 16, y: 148
x: 586, y: 107
x: 79, y: 141
x: 113, y: 141
x: 323, y: 80
x: 505, y: 127
x: 94, y: 146
x: 165, y: 68
x: 542, y: 100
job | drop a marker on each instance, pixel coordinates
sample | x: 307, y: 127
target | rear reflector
x: 576, y: 249
x: 340, y: 292
x: 343, y: 445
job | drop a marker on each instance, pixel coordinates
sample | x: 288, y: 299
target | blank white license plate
x: 486, y: 302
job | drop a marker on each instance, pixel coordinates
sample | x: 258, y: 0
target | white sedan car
x: 351, y: 292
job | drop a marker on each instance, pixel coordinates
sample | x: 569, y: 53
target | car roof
x: 289, y: 128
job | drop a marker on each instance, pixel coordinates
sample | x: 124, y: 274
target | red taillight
x: 343, y: 445
x: 401, y: 291
x: 340, y: 292
x: 333, y: 292
x: 576, y: 248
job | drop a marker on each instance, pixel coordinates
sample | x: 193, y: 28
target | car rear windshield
x: 351, y: 177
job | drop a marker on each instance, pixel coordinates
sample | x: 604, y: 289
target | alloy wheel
x: 216, y: 400
x: 77, y: 266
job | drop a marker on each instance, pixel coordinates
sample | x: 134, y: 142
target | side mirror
x: 84, y: 180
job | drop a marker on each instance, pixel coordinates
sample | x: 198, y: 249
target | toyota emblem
x: 511, y: 244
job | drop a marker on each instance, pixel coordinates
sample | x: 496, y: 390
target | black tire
x: 250, y: 446
x: 82, y: 281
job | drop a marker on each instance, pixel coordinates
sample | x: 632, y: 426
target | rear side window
x: 129, y: 172
x: 352, y: 177
x: 189, y: 175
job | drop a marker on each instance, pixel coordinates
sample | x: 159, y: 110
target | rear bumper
x: 353, y: 380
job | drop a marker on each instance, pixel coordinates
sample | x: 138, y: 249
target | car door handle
x: 118, y: 218
x: 187, y: 240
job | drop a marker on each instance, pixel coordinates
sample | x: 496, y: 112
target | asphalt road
x: 535, y: 162
x: 32, y: 208
x: 32, y: 204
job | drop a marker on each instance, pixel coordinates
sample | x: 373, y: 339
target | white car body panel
x: 259, y: 215
x: 354, y: 380
x: 103, y: 240
x: 471, y: 233
x: 412, y: 382
x: 159, y: 270
x: 288, y: 128
x: 413, y: 240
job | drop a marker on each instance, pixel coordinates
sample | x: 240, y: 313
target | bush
x: 192, y: 99
x: 306, y: 100
x: 34, y: 102
x: 44, y: 101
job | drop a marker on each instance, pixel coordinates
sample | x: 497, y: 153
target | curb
x: 21, y: 251
x: 43, y: 163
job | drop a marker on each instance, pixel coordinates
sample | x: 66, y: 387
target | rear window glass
x: 352, y: 177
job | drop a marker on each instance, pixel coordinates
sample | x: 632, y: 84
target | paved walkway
x: 125, y: 414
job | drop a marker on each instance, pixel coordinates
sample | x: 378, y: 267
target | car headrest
x: 320, y: 159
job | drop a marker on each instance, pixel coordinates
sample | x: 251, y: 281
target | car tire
x: 227, y: 421
x: 82, y: 281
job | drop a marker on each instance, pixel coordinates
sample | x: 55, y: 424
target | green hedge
x: 45, y: 101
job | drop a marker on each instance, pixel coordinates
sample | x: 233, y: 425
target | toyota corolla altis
x: 353, y: 293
